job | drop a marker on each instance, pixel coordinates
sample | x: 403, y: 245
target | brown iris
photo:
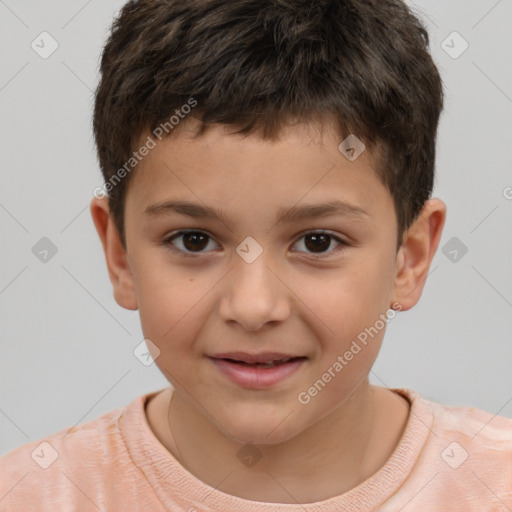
x: 195, y: 240
x: 319, y: 242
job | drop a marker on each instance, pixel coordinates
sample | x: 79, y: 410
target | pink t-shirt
x: 448, y: 459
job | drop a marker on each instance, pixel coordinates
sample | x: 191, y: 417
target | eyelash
x: 167, y: 242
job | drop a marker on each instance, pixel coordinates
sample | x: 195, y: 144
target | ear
x: 117, y: 262
x: 416, y: 253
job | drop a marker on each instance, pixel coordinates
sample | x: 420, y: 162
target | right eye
x: 190, y: 243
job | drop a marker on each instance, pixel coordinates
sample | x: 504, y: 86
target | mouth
x: 262, y: 357
x: 266, y: 371
x: 272, y: 363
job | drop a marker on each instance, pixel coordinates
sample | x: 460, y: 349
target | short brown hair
x: 256, y: 64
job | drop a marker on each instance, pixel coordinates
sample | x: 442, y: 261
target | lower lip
x: 256, y: 377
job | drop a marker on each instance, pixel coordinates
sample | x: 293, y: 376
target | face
x: 268, y: 275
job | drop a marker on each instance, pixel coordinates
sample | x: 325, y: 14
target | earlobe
x: 416, y: 254
x: 118, y: 266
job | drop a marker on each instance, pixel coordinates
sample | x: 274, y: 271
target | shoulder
x: 72, y: 440
x: 474, y: 426
x: 485, y: 437
x: 480, y: 430
x: 466, y: 460
x: 62, y: 463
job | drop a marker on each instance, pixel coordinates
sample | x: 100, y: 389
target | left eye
x: 194, y: 242
x: 318, y: 242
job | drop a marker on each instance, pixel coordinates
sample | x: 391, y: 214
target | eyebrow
x: 286, y: 215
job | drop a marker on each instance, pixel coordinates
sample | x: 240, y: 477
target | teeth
x: 271, y: 364
x: 267, y: 364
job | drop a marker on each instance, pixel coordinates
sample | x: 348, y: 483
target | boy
x: 294, y: 143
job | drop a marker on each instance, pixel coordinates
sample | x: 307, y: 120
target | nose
x: 254, y: 295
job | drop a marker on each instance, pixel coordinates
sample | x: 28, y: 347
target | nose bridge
x: 254, y: 295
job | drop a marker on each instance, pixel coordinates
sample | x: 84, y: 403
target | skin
x: 290, y: 299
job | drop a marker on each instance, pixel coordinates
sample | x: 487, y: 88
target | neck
x: 334, y: 455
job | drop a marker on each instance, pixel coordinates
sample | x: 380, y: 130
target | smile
x: 258, y: 375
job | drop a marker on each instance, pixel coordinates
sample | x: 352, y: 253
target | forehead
x: 304, y: 166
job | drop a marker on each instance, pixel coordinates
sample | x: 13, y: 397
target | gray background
x: 67, y: 347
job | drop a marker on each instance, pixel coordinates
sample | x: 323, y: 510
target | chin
x: 259, y: 429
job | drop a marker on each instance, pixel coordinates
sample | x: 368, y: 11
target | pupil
x: 320, y: 241
x: 196, y: 243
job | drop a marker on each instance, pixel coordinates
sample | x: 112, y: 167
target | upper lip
x: 262, y: 357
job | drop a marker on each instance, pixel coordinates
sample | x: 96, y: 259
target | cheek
x: 169, y: 304
x: 347, y: 301
x: 173, y: 323
x: 349, y: 311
